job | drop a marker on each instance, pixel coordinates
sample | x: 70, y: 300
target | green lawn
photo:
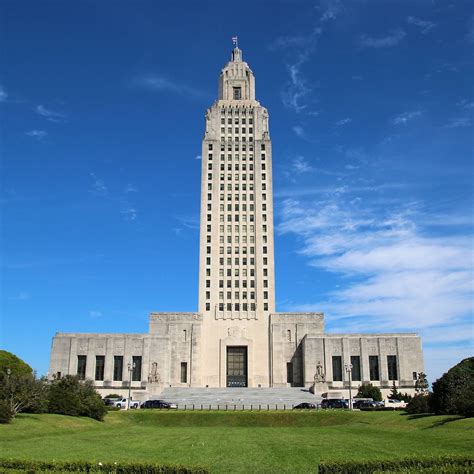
x: 236, y: 442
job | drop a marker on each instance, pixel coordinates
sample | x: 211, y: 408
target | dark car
x: 364, y: 404
x: 334, y: 403
x: 158, y: 404
x: 305, y: 406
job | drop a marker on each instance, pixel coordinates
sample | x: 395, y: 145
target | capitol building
x: 236, y: 338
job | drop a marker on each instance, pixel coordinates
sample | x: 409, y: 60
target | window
x: 81, y: 366
x: 288, y: 335
x: 118, y: 368
x: 355, y: 361
x: 337, y: 368
x: 185, y: 335
x: 415, y: 376
x: 208, y: 306
x: 237, y: 93
x: 137, y: 368
x: 265, y: 306
x: 210, y: 146
x: 184, y: 372
x: 289, y: 372
x: 99, y: 367
x: 392, y: 367
x: 374, y: 367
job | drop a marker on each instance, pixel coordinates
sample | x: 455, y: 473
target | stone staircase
x: 237, y: 398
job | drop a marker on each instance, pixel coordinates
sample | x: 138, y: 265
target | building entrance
x: 236, y: 366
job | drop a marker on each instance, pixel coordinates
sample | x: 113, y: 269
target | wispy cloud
x: 301, y: 48
x: 466, y: 104
x: 98, y: 186
x: 129, y: 212
x: 405, y: 117
x: 342, y: 122
x: 22, y: 296
x: 299, y: 130
x: 300, y: 165
x: 459, y: 122
x: 390, y: 266
x: 51, y: 115
x: 425, y: 25
x: 387, y: 41
x: 37, y: 134
x: 95, y: 314
x: 198, y: 157
x: 130, y: 188
x: 3, y: 94
x: 188, y: 222
x: 159, y: 83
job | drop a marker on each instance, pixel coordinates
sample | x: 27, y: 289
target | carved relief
x: 154, y: 375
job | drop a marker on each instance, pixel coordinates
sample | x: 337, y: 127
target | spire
x: 236, y: 52
x: 236, y: 55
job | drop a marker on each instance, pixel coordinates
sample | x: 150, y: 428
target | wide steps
x: 237, y: 397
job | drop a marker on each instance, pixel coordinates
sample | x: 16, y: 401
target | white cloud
x: 300, y: 165
x: 129, y: 212
x: 95, y: 314
x: 405, y: 117
x: 425, y: 25
x: 459, y: 122
x: 388, y: 41
x: 342, y: 122
x: 130, y: 189
x: 50, y: 115
x: 38, y: 134
x: 298, y: 129
x: 197, y: 157
x: 159, y: 83
x: 393, y: 274
x: 98, y: 186
x: 3, y: 94
x: 466, y: 104
x: 22, y: 296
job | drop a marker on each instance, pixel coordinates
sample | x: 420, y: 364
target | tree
x: 22, y: 392
x: 71, y: 396
x: 421, y: 384
x: 10, y: 363
x: 419, y: 404
x: 367, y: 390
x: 395, y: 394
x: 452, y: 393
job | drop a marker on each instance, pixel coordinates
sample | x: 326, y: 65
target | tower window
x: 237, y: 93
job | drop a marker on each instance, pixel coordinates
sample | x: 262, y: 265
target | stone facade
x: 236, y: 338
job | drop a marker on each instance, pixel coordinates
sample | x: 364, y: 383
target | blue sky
x: 371, y: 116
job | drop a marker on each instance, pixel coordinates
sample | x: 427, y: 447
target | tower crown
x: 236, y: 81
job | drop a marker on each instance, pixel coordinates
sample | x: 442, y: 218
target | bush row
x: 112, y: 468
x: 412, y: 465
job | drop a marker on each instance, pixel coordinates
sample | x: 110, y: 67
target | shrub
x: 412, y: 465
x: 6, y: 413
x: 367, y: 390
x: 452, y: 393
x: 419, y: 404
x: 113, y: 395
x: 82, y: 466
x: 70, y: 396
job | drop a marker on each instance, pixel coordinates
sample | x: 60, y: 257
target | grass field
x: 236, y: 442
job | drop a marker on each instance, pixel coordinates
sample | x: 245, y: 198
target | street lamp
x: 349, y: 372
x: 130, y: 371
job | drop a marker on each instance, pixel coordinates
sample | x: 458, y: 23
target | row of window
x: 245, y: 261
x: 237, y: 139
x: 237, y: 186
x: 243, y: 121
x: 236, y: 282
x: 237, y: 295
x: 237, y: 110
x: 237, y: 218
x: 236, y: 167
x: 237, y: 130
x: 237, y: 176
x: 245, y: 271
x: 374, y: 368
x: 118, y: 375
x: 118, y: 372
x: 238, y: 239
x: 238, y: 228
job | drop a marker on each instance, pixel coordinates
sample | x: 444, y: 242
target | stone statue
x: 154, y: 375
x: 319, y: 376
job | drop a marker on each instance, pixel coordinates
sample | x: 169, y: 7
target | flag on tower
x: 235, y: 40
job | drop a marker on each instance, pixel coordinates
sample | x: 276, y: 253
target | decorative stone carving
x: 154, y: 375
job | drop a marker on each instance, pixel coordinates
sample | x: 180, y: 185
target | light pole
x: 349, y: 372
x: 130, y: 371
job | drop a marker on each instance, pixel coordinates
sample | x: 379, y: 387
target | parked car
x: 395, y: 403
x: 305, y: 406
x: 123, y: 403
x: 111, y: 401
x: 364, y: 404
x: 159, y: 404
x: 334, y: 403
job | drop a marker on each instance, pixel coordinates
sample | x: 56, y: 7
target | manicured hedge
x: 412, y: 465
x: 112, y: 468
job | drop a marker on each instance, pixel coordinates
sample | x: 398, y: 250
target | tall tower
x: 236, y: 271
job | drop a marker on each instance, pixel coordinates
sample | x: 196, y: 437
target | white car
x: 389, y: 403
x: 123, y: 403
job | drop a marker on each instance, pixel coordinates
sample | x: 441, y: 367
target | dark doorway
x: 236, y: 366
